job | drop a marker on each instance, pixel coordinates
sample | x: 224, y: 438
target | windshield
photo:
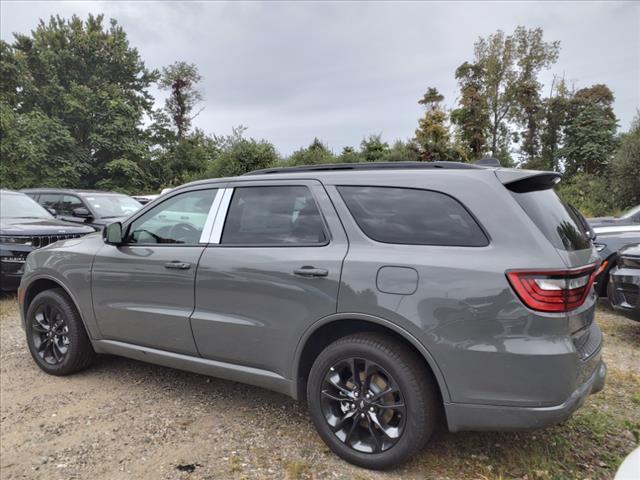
x: 630, y: 213
x: 17, y: 205
x: 111, y: 206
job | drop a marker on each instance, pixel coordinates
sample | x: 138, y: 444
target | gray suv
x: 388, y: 296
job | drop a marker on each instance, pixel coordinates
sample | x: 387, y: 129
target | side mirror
x: 81, y: 212
x: 112, y: 234
x: 52, y: 211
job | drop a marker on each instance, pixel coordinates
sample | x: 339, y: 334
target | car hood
x: 40, y: 226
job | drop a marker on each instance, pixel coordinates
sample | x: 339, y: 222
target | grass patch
x: 8, y: 306
x: 298, y: 470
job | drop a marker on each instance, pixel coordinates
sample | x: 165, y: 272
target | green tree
x: 238, y: 155
x: 84, y: 80
x: 349, y: 155
x: 590, y: 133
x: 314, y: 154
x: 555, y: 108
x: 373, y: 149
x: 181, y: 79
x: 432, y: 135
x: 37, y: 150
x: 625, y: 168
x: 472, y: 115
x: 589, y: 193
x: 402, y: 152
x: 510, y: 65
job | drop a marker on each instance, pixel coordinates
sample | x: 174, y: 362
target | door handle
x: 308, y: 271
x: 175, y: 265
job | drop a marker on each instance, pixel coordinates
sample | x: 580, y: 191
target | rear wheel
x: 56, y: 336
x: 372, y: 400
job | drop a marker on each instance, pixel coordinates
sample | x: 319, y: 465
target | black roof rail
x: 334, y: 167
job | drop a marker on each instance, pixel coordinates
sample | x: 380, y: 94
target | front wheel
x: 56, y: 336
x: 372, y: 400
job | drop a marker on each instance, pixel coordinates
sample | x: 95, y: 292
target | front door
x: 143, y: 290
x: 271, y: 270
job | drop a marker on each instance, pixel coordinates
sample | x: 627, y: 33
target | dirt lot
x: 125, y: 419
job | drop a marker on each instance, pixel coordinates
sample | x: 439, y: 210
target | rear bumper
x: 462, y: 417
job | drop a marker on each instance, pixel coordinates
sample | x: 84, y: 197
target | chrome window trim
x: 221, y: 215
x: 211, y: 216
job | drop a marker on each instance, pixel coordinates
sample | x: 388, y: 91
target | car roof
x: 384, y: 173
x: 78, y: 191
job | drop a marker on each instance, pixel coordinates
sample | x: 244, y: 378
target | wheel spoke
x: 370, y: 370
x: 334, y: 379
x: 354, y: 425
x: 391, y: 432
x: 39, y: 328
x: 337, y: 398
x: 355, y: 371
x: 42, y: 322
x: 347, y: 416
x: 374, y: 435
x: 43, y: 345
x: 55, y: 349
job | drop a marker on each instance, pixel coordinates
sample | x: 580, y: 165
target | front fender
x: 67, y: 264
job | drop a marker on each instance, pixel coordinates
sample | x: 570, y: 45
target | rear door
x: 272, y: 268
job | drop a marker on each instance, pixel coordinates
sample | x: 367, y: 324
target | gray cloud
x: 341, y: 71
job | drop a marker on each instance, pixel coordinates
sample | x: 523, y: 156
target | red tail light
x: 553, y: 290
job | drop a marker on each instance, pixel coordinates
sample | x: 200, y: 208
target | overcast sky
x: 342, y: 71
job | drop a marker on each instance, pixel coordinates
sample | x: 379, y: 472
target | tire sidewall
x: 75, y: 334
x: 417, y: 417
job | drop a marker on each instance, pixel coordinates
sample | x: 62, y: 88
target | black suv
x: 91, y: 207
x: 26, y: 226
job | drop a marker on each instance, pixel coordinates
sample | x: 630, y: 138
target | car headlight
x: 600, y: 246
x: 15, y: 240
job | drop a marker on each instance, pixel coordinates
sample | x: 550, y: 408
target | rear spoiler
x: 521, y: 181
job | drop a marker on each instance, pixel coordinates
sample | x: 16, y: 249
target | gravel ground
x: 126, y: 419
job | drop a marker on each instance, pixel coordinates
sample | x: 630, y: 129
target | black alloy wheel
x: 50, y: 334
x: 373, y: 399
x: 363, y: 405
x: 57, y: 339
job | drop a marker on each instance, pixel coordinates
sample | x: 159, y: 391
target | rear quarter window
x: 555, y: 219
x: 412, y: 216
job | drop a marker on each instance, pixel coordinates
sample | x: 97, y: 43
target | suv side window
x: 412, y: 216
x: 178, y: 220
x: 273, y: 216
x: 50, y: 200
x: 69, y: 204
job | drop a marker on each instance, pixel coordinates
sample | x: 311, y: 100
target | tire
x: 331, y: 397
x: 56, y: 336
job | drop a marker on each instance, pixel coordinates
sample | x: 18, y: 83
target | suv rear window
x: 412, y: 216
x: 557, y: 221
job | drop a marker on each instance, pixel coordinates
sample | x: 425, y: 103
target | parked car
x: 91, y: 207
x: 24, y: 227
x: 608, y: 241
x: 388, y: 295
x: 624, y: 282
x: 629, y: 218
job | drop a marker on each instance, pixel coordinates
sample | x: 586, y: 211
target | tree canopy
x: 76, y: 110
